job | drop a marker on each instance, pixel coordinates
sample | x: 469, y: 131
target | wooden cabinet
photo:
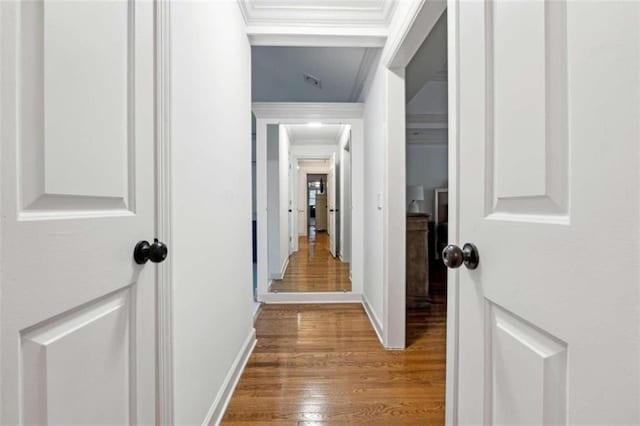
x: 417, y: 260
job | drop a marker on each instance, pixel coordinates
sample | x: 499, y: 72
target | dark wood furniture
x: 417, y: 260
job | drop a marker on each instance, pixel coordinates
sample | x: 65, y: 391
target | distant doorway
x: 316, y: 204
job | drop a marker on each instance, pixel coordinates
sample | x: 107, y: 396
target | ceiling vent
x: 314, y: 81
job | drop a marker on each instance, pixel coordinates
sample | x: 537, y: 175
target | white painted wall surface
x: 211, y: 108
x: 427, y: 165
x: 374, y: 164
x: 273, y: 199
x: 345, y: 196
x: 283, y: 182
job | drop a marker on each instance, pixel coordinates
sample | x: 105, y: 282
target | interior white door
x: 77, y: 117
x: 549, y: 158
x: 331, y: 186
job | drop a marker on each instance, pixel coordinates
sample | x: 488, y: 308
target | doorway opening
x: 427, y: 179
x: 314, y: 181
x: 316, y: 204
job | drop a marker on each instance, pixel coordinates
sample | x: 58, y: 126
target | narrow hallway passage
x: 313, y: 269
x: 323, y: 364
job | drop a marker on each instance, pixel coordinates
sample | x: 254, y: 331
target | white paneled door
x: 549, y: 158
x: 77, y: 315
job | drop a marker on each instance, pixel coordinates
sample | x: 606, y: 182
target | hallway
x: 323, y: 364
x: 313, y: 269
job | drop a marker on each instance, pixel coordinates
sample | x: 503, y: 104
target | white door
x: 77, y: 314
x: 331, y: 186
x: 549, y: 159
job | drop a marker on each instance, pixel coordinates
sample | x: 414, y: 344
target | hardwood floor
x: 312, y: 268
x: 324, y: 365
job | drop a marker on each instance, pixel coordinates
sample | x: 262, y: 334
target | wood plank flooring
x: 324, y: 365
x: 312, y: 268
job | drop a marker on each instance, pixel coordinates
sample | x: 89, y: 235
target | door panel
x: 548, y: 167
x: 527, y: 144
x: 98, y: 334
x: 64, y: 111
x: 524, y: 357
x: 77, y: 314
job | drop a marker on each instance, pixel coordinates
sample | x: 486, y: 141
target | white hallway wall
x: 427, y: 165
x: 345, y: 196
x: 374, y: 165
x: 273, y: 200
x: 283, y: 182
x: 211, y: 124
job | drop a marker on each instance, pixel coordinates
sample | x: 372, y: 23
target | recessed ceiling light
x: 314, y: 124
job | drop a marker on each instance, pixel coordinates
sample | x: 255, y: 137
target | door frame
x: 297, y: 158
x: 164, y: 209
x: 414, y: 23
x: 302, y: 113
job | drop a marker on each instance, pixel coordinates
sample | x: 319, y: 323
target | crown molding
x: 316, y: 37
x: 307, y: 110
x: 366, y: 68
x: 344, y: 13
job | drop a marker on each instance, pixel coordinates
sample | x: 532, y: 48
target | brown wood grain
x: 312, y: 268
x: 324, y: 365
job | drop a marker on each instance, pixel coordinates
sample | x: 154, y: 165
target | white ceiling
x: 333, y: 13
x: 278, y: 73
x: 303, y: 134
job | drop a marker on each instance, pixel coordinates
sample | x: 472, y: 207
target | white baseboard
x: 257, y: 307
x: 219, y: 406
x: 373, y: 318
x: 304, y: 297
x: 283, y: 269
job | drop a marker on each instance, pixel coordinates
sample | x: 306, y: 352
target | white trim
x: 453, y: 275
x: 257, y: 308
x: 409, y: 29
x: 299, y: 112
x: 394, y: 214
x: 373, y: 319
x: 164, y: 271
x: 412, y: 27
x: 283, y: 270
x: 303, y: 37
x: 352, y: 15
x: 305, y: 297
x: 366, y: 68
x: 219, y: 406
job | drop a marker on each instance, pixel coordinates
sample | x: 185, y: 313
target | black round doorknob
x: 155, y: 252
x: 454, y: 256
